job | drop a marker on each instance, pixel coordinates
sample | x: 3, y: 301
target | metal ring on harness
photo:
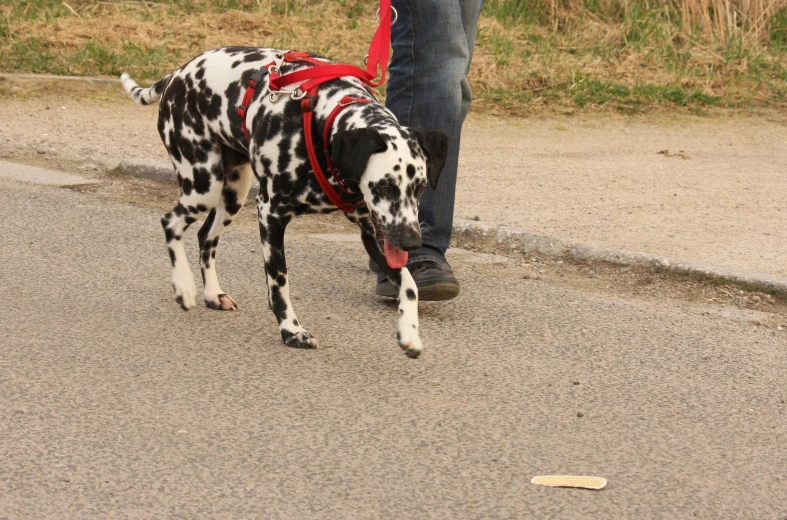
x: 294, y: 94
x: 394, y: 16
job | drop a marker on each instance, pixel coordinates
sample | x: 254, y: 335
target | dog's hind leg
x: 272, y: 226
x: 175, y: 223
x: 200, y: 191
x: 407, y: 333
x: 237, y: 181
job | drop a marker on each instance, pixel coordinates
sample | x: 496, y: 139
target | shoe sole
x: 428, y: 293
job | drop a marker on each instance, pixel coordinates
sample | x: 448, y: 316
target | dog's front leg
x: 407, y: 333
x: 272, y: 228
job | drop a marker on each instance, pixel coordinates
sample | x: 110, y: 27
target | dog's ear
x: 435, y: 146
x: 352, y: 149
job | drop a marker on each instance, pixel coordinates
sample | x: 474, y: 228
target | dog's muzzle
x: 408, y: 239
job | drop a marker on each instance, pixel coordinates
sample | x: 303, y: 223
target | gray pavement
x: 114, y: 403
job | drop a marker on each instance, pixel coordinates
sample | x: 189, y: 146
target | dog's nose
x: 410, y: 239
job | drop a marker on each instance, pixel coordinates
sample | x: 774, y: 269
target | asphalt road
x: 114, y: 403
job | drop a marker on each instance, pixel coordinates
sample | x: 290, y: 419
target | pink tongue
x: 396, y: 258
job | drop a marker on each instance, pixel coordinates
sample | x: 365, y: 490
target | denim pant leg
x: 432, y: 45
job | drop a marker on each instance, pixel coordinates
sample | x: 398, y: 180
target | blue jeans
x: 432, y: 43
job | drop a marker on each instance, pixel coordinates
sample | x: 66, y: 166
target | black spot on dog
x: 202, y: 234
x: 186, y: 187
x: 253, y: 56
x: 410, y: 171
x: 168, y: 233
x: 213, y: 111
x: 231, y: 200
x: 410, y: 294
x: 278, y: 304
x: 284, y: 154
x: 186, y: 149
x: 201, y: 180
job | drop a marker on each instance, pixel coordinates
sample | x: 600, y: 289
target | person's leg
x: 432, y: 44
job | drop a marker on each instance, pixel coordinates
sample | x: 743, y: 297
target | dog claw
x: 185, y: 293
x: 223, y: 303
x: 299, y: 339
x: 411, y: 351
x: 185, y: 303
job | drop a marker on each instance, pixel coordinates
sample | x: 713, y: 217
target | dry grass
x: 574, y: 54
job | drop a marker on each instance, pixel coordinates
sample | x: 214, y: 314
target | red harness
x: 312, y: 78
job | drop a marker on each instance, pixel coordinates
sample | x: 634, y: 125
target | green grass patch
x: 620, y: 55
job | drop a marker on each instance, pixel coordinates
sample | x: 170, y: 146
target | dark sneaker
x: 435, y: 282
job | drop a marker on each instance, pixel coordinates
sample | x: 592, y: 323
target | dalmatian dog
x: 382, y: 163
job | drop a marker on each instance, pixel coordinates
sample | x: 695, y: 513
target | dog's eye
x: 385, y: 189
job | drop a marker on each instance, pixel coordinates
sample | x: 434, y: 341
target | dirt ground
x: 706, y: 190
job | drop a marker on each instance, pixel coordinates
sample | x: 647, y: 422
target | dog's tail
x: 144, y: 96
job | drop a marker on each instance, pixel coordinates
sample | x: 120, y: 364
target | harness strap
x: 314, y: 76
x: 344, y: 103
x: 307, y: 106
x: 254, y: 81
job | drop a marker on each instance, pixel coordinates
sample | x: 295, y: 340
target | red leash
x: 312, y: 78
x: 377, y: 58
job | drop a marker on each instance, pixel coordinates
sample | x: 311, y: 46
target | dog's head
x: 392, y: 168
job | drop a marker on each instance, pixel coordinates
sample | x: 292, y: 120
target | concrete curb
x: 469, y: 233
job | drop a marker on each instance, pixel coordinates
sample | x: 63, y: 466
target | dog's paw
x: 221, y: 302
x: 300, y: 339
x: 410, y: 343
x: 185, y: 296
